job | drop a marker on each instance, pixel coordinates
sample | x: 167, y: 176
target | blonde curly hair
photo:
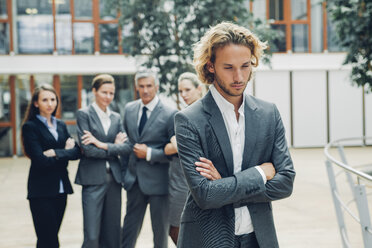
x: 219, y: 36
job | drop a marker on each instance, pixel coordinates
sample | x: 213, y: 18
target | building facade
x: 67, y: 42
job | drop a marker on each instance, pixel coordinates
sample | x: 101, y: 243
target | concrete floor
x: 306, y: 219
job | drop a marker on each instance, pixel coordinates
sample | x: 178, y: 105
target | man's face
x: 232, y: 70
x: 146, y: 89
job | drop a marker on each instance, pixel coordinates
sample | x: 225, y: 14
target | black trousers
x: 246, y: 241
x: 47, y: 214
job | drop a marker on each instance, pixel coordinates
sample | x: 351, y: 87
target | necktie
x: 143, y: 120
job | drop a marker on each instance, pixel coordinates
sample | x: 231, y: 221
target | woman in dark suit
x: 190, y: 89
x: 99, y: 130
x: 47, y: 143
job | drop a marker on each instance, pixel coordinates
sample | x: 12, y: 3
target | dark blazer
x: 208, y: 218
x: 92, y: 165
x: 46, y: 172
x: 152, y: 175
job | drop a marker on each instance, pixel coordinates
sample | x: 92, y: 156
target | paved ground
x: 306, y: 219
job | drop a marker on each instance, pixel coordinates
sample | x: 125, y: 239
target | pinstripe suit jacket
x: 208, y: 218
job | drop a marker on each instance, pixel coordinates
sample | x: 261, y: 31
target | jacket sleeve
x: 206, y: 193
x: 82, y: 121
x: 157, y: 154
x: 68, y: 154
x: 33, y: 147
x: 281, y: 185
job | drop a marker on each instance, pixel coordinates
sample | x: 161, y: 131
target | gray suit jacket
x: 92, y: 165
x: 208, y: 218
x: 152, y: 176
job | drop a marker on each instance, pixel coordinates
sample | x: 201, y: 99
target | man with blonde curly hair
x: 232, y: 148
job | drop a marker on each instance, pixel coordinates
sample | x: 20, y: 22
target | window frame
x: 9, y: 21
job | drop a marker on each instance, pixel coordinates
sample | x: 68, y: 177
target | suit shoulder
x: 116, y: 114
x: 60, y: 122
x: 83, y: 110
x: 132, y: 103
x: 260, y: 104
x: 169, y: 109
x: 193, y: 113
x: 29, y: 124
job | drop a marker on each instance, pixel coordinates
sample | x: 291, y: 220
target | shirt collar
x: 100, y: 112
x: 151, y: 105
x: 224, y: 105
x: 45, y: 121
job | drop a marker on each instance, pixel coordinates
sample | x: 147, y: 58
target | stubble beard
x: 221, y: 85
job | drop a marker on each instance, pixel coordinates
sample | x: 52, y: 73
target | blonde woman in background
x: 190, y: 89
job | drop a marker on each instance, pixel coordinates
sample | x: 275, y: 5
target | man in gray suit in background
x: 232, y: 149
x: 149, y: 125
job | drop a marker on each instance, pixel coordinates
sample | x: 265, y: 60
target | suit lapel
x: 133, y: 115
x: 218, y: 126
x: 45, y: 131
x: 251, y: 131
x: 150, y: 121
x: 96, y: 119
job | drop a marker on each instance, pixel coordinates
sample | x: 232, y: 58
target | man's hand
x: 70, y: 143
x: 121, y: 137
x: 269, y: 170
x: 49, y: 153
x: 140, y: 150
x: 206, y: 168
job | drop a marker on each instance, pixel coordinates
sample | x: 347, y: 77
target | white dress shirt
x: 150, y: 107
x: 236, y: 131
x: 104, y: 117
x: 53, y: 131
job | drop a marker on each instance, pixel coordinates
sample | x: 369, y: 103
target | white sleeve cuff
x: 148, y: 154
x: 262, y: 173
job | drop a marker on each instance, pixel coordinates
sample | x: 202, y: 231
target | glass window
x: 276, y: 10
x: 280, y: 43
x: 23, y: 96
x: 4, y: 99
x: 300, y: 38
x: 69, y: 104
x: 83, y: 9
x: 87, y: 96
x: 109, y: 42
x: 3, y: 10
x: 35, y: 27
x: 299, y: 9
x: 125, y: 33
x: 316, y: 26
x: 107, y: 11
x: 83, y: 38
x: 63, y: 27
x: 333, y: 42
x: 259, y: 9
x: 4, y: 38
x: 6, y: 143
x: 43, y: 79
x: 124, y: 92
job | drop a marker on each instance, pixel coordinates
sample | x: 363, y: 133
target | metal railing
x: 358, y: 189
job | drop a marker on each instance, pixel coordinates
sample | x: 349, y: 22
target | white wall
x: 368, y: 113
x: 309, y: 108
x: 345, y: 107
x: 273, y: 86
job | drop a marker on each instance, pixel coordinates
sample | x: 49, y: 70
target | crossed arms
x: 241, y: 188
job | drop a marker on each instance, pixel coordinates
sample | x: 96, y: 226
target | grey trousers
x: 136, y: 208
x: 102, y: 214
